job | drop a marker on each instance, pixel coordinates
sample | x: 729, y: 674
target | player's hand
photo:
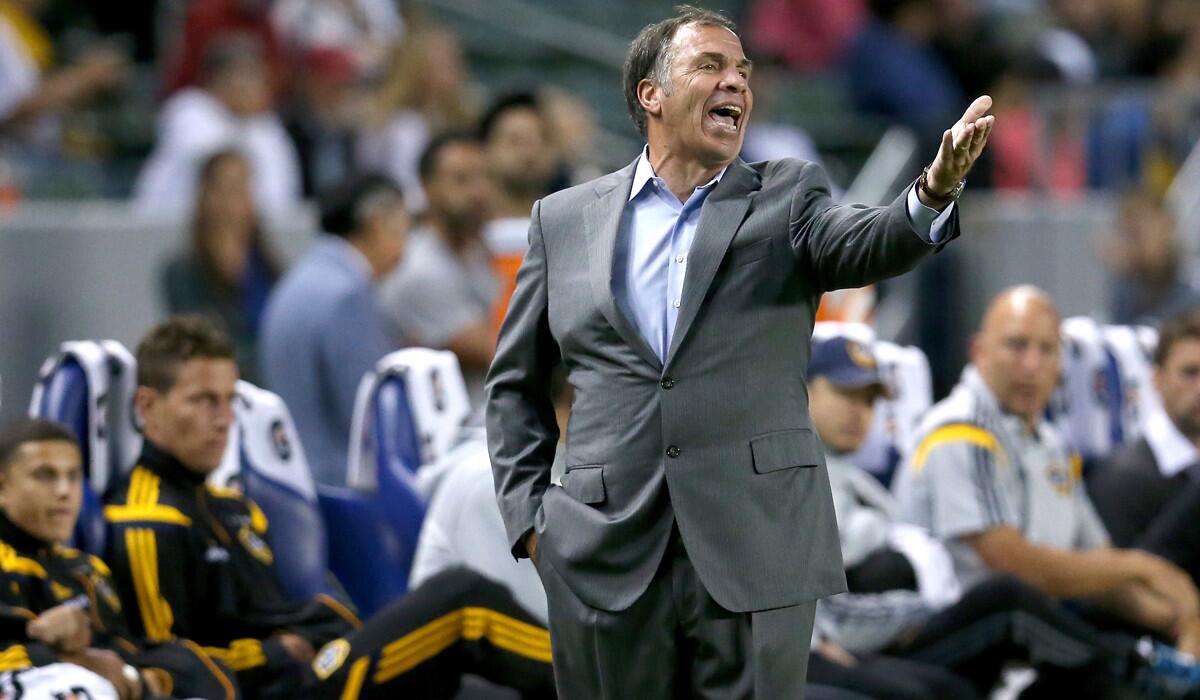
x: 110, y: 667
x: 961, y: 146
x: 297, y: 647
x: 1170, y: 582
x: 531, y: 543
x: 832, y: 651
x: 66, y: 628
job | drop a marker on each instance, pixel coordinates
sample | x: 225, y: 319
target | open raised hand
x: 961, y: 146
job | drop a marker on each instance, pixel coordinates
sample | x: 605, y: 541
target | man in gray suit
x: 323, y: 327
x: 693, y: 529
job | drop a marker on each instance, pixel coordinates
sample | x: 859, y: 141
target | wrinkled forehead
x: 694, y: 39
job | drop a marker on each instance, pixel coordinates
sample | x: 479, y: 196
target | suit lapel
x: 602, y: 222
x: 720, y: 218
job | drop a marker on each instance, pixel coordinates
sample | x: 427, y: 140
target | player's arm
x: 1058, y: 572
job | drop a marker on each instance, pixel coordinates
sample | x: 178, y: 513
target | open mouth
x: 727, y: 117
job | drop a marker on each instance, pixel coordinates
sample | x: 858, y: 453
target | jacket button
x: 667, y: 383
x: 673, y: 451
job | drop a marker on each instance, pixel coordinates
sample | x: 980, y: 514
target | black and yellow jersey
x: 193, y: 560
x: 36, y: 576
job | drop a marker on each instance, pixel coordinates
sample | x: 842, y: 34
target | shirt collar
x: 167, y: 466
x: 643, y: 173
x: 1172, y: 451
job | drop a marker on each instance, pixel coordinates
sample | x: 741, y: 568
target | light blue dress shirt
x: 656, y: 238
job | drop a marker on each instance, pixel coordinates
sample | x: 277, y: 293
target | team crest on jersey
x: 330, y: 658
x: 860, y: 355
x: 1060, y: 476
x: 255, y: 545
x: 279, y: 440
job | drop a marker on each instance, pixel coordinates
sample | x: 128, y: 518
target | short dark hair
x: 506, y: 103
x: 174, y: 341
x: 650, y: 54
x: 27, y: 430
x: 1183, y: 326
x: 429, y: 156
x: 345, y: 208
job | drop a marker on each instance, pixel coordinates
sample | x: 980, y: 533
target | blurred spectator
x: 574, y: 126
x: 1143, y: 139
x: 1038, y: 149
x: 363, y: 29
x: 1135, y: 486
x: 1145, y: 260
x: 322, y: 116
x: 323, y: 328
x: 894, y: 72
x: 32, y: 89
x: 521, y: 159
x: 232, y: 108
x: 995, y: 482
x: 424, y: 93
x: 1093, y: 39
x: 443, y: 294
x: 227, y: 271
x: 779, y: 138
x: 805, y: 35
x: 209, y: 20
x: 969, y: 42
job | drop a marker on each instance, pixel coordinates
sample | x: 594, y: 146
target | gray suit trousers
x: 675, y: 642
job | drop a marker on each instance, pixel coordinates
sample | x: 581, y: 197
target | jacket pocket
x: 785, y: 449
x: 585, y: 483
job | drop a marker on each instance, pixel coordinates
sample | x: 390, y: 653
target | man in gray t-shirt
x: 443, y: 294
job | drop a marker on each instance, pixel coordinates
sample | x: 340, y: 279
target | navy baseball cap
x: 846, y: 363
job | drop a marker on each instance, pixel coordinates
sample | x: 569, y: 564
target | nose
x: 734, y: 81
x: 225, y: 415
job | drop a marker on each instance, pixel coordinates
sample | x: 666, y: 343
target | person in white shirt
x: 232, y: 109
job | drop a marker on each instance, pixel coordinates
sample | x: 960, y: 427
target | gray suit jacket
x: 717, y: 439
x: 321, y: 331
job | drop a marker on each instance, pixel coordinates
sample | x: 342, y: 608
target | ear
x: 143, y: 402
x: 650, y: 96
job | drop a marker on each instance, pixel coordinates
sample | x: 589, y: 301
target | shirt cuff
x: 927, y: 221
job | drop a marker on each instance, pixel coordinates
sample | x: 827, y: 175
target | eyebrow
x: 721, y: 58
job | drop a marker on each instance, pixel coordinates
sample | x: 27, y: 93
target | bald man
x: 998, y: 484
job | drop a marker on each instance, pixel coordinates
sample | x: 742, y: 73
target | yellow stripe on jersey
x: 341, y: 610
x: 240, y: 655
x: 157, y: 618
x: 141, y: 503
x: 226, y: 684
x: 959, y: 432
x: 150, y: 513
x: 13, y: 563
x: 469, y: 624
x: 14, y: 658
x: 354, y: 679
